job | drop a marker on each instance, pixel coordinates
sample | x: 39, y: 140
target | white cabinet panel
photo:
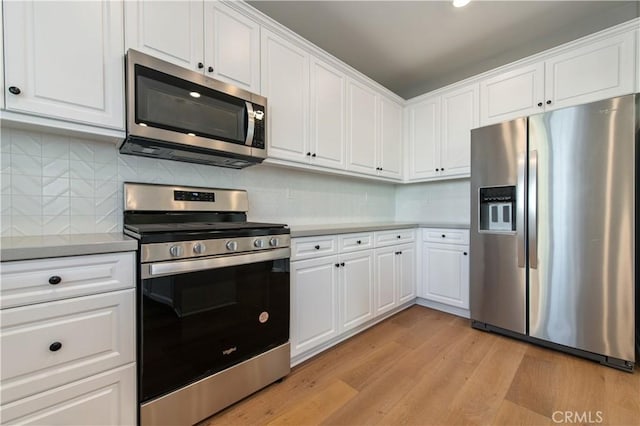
x: 28, y: 282
x: 169, y: 30
x: 357, y: 288
x: 446, y: 236
x: 390, y: 142
x: 328, y: 113
x: 394, y: 237
x: 285, y: 83
x: 424, y: 139
x: 108, y: 398
x: 231, y: 46
x: 355, y: 242
x: 406, y: 286
x: 66, y: 60
x: 309, y: 247
x: 386, y: 279
x: 314, y: 311
x: 459, y: 116
x: 446, y: 274
x: 515, y: 93
x: 49, y: 344
x: 592, y: 72
x: 362, y: 119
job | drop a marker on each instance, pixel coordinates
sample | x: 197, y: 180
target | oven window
x: 170, y: 103
x: 198, y: 323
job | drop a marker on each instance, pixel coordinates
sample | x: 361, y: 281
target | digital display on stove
x: 194, y: 196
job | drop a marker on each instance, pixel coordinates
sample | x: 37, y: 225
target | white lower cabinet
x: 445, y: 268
x: 341, y: 284
x: 68, y: 353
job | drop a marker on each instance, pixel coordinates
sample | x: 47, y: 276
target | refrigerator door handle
x: 533, y: 209
x: 520, y: 207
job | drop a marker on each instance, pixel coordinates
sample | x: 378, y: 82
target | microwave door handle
x: 251, y: 123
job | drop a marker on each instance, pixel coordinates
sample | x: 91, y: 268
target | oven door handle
x: 152, y: 270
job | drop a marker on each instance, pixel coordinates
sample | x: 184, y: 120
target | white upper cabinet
x: 515, y: 93
x: 169, y: 30
x: 208, y: 37
x: 328, y: 116
x: 591, y: 71
x: 440, y: 134
x: 598, y: 70
x: 390, y: 141
x: 63, y: 60
x: 459, y: 116
x: 231, y: 46
x: 285, y: 83
x: 424, y: 138
x: 362, y: 134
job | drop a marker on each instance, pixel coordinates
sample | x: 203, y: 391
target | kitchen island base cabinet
x: 445, y: 270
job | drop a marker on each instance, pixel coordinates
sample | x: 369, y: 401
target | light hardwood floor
x: 424, y: 367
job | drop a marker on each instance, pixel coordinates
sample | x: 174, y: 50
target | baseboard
x: 464, y: 313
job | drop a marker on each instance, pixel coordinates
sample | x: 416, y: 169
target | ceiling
x: 412, y: 47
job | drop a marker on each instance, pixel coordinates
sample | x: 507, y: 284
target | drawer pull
x: 443, y: 236
x: 399, y: 237
x: 464, y: 252
x: 55, y: 346
x: 359, y: 242
x: 317, y: 247
x: 55, y: 280
x: 337, y: 265
x: 341, y: 263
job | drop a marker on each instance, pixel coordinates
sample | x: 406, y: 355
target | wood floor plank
x: 424, y: 367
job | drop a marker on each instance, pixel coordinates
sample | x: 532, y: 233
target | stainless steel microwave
x: 177, y: 114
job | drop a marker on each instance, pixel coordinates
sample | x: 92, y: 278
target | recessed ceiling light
x: 197, y: 95
x: 460, y: 3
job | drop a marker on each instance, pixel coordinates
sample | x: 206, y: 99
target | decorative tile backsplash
x: 54, y: 184
x: 434, y: 202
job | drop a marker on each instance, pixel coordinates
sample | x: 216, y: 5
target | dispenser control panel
x: 498, y: 209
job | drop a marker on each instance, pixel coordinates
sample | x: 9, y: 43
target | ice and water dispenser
x: 498, y: 209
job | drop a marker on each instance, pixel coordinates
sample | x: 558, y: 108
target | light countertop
x: 349, y: 228
x: 39, y: 247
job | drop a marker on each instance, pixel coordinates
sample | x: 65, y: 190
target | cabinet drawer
x: 107, y: 398
x: 446, y: 236
x: 30, y: 281
x: 355, y: 242
x: 306, y: 248
x: 398, y: 236
x: 50, y: 344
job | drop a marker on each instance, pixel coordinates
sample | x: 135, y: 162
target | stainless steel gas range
x: 213, y: 300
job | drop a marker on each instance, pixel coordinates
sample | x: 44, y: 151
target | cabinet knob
x: 399, y: 236
x: 200, y: 65
x: 396, y: 253
x: 549, y: 102
x: 55, y: 280
x: 359, y: 242
x: 317, y: 247
x: 308, y: 154
x: 341, y: 263
x: 210, y: 69
x: 443, y: 235
x: 337, y: 265
x: 14, y: 90
x: 464, y: 252
x: 313, y: 155
x: 437, y: 170
x: 442, y: 169
x: 55, y: 346
x: 399, y: 252
x: 540, y: 104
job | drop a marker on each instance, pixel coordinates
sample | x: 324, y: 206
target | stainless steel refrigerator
x: 554, y: 215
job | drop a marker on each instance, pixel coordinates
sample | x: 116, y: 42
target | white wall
x: 434, y: 202
x: 59, y: 185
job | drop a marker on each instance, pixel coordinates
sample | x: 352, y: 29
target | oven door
x: 198, y: 317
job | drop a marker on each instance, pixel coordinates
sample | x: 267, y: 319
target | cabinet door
x: 406, y: 273
x: 599, y: 70
x: 231, y: 46
x: 516, y: 93
x: 357, y: 288
x: 362, y: 123
x: 107, y: 398
x: 285, y: 83
x: 66, y: 59
x: 314, y: 303
x: 445, y: 271
x: 328, y: 111
x: 459, y: 116
x: 390, y: 143
x: 385, y: 279
x: 424, y: 139
x: 169, y: 30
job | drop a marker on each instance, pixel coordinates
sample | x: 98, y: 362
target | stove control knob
x: 258, y: 243
x: 199, y: 248
x: 175, y: 251
x: 274, y: 242
x: 232, y: 245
